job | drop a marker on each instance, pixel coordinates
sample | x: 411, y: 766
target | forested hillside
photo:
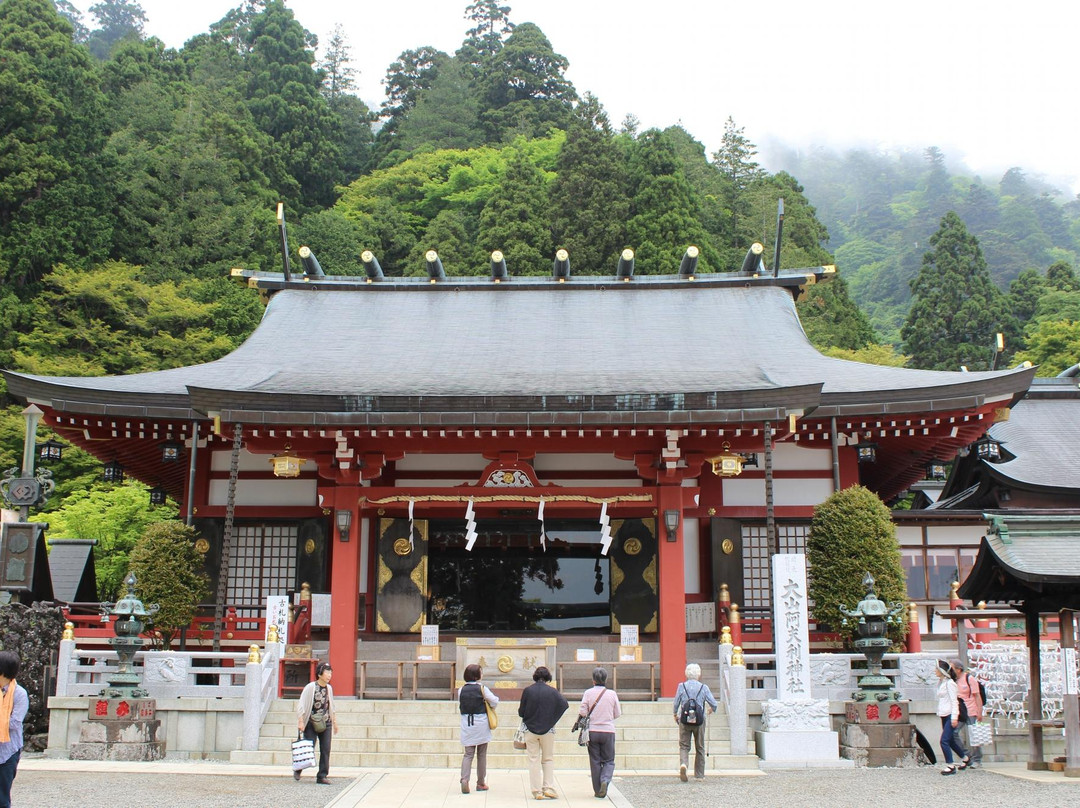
x: 881, y: 211
x: 133, y: 177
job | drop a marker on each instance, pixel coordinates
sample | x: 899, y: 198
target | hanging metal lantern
x: 288, y: 464
x: 727, y: 464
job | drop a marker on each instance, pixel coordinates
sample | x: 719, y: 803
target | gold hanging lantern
x: 727, y: 464
x: 288, y: 464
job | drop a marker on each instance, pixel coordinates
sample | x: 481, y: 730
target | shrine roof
x: 662, y: 345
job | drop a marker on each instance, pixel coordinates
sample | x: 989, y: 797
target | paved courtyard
x: 45, y: 783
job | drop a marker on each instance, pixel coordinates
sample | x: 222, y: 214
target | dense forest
x: 133, y: 177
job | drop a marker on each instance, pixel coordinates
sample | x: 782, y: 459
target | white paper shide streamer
x: 411, y: 503
x: 605, y: 530
x: 543, y: 530
x: 470, y: 526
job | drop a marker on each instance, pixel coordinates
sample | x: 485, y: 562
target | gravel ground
x: 51, y: 789
x: 850, y: 788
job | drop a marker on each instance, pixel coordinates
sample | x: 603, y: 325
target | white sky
x: 991, y: 83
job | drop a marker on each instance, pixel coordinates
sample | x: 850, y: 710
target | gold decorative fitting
x: 309, y: 546
x: 954, y: 590
x: 725, y: 635
x: 505, y: 663
x: 69, y: 631
x: 631, y: 546
x: 728, y: 546
x: 271, y: 634
x: 725, y: 594
x: 288, y: 464
x: 202, y: 546
x: 253, y: 653
x: 737, y: 656
x: 734, y: 616
x: 727, y: 464
x: 402, y: 547
x: 712, y: 511
x: 305, y: 591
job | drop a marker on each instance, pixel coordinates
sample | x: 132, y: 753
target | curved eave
x: 628, y: 408
x: 67, y: 396
x: 994, y: 578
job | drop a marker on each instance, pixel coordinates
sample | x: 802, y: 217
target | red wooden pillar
x: 672, y: 592
x: 344, y: 597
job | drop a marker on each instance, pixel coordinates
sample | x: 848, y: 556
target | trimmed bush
x: 169, y: 572
x: 852, y: 533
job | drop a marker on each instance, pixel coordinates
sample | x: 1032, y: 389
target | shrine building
x: 518, y: 455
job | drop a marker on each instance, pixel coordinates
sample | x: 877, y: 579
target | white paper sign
x: 320, y: 610
x: 277, y: 614
x: 586, y: 655
x: 1068, y: 665
x: 429, y: 635
x: 629, y: 635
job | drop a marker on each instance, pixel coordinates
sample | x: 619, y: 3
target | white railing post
x: 65, y: 677
x: 738, y: 720
x: 253, y: 698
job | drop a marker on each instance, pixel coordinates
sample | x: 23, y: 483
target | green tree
x: 524, y: 88
x: 1053, y: 345
x: 831, y: 319
x: 115, y: 516
x: 51, y: 135
x: 169, y: 572
x: 514, y: 220
x: 445, y: 116
x: 491, y: 26
x: 413, y: 72
x: 1024, y: 294
x: 956, y: 309
x: 664, y: 214
x: 118, y: 20
x: 852, y: 533
x: 589, y: 203
x: 735, y: 161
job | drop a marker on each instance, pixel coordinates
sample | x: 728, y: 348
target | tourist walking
x: 475, y: 728
x: 13, y: 706
x: 540, y: 708
x: 602, y: 707
x: 948, y: 710
x: 315, y: 717
x: 967, y: 689
x: 693, y: 701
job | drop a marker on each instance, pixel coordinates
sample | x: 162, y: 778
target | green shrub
x: 852, y: 533
x: 169, y: 572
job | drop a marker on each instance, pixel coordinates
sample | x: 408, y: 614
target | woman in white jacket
x: 315, y: 717
x: 949, y: 711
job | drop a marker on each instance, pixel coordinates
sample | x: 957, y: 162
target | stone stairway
x: 425, y: 734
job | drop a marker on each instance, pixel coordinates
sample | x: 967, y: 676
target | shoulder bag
x: 493, y: 720
x: 519, y: 737
x: 582, y: 723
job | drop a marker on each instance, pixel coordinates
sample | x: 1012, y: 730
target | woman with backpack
x: 693, y: 700
x: 475, y: 730
x: 951, y: 710
x: 601, y: 706
x: 970, y: 691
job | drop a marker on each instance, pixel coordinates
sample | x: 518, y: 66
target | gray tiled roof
x: 390, y: 347
x: 1038, y: 433
x: 68, y: 564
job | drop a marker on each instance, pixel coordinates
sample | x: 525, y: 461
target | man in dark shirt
x: 541, y: 708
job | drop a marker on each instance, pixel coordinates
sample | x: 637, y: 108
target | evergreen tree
x: 352, y: 132
x: 956, y: 309
x: 119, y: 20
x: 735, y: 160
x: 1061, y: 276
x: 169, y: 571
x: 664, y: 214
x: 51, y: 134
x: 413, y: 72
x: 589, y: 204
x: 832, y: 319
x: 1024, y: 294
x: 514, y: 220
x: 284, y: 95
x: 524, y: 89
x: 446, y: 115
x: 491, y: 26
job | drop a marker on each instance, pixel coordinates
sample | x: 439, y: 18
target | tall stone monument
x: 796, y: 731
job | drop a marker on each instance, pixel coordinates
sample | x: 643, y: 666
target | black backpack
x: 471, y: 699
x: 690, y: 713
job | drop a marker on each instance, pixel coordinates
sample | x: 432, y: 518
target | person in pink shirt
x: 967, y: 688
x: 602, y: 707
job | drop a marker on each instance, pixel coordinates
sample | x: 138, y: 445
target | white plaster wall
x: 571, y: 462
x: 792, y: 457
x: 281, y: 493
x: 443, y: 462
x: 751, y: 492
x: 221, y: 460
x: 691, y: 559
x: 949, y: 534
x: 909, y: 536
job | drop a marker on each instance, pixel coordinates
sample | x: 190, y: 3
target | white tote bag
x: 303, y: 754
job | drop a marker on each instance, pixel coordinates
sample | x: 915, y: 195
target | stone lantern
x: 877, y: 729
